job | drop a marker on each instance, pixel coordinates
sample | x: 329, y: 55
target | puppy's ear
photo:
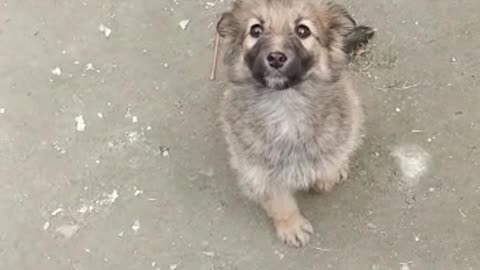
x: 228, y: 26
x: 338, y: 24
x: 335, y: 24
x: 343, y: 31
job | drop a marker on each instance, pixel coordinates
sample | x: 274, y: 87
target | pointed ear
x: 337, y: 24
x: 343, y: 31
x: 339, y: 21
x: 228, y: 26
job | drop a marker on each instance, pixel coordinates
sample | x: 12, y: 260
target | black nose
x: 276, y: 59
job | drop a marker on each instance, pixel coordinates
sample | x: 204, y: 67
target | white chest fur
x: 285, y: 115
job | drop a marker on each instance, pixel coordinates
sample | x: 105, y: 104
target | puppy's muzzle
x: 277, y: 60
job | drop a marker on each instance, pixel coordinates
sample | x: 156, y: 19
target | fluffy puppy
x: 290, y: 115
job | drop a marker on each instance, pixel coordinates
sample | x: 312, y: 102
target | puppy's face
x: 280, y: 44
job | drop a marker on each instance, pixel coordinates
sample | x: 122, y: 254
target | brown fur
x: 298, y: 138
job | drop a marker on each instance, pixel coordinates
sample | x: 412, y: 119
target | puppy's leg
x: 291, y: 227
x: 330, y: 180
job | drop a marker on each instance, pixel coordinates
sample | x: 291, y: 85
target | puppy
x: 291, y: 117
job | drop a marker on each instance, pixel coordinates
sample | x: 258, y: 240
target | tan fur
x: 301, y: 138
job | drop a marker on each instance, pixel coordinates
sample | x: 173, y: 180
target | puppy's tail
x: 358, y: 38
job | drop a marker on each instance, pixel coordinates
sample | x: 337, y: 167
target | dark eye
x: 256, y: 30
x: 303, y: 31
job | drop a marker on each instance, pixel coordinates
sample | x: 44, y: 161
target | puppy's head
x: 278, y: 44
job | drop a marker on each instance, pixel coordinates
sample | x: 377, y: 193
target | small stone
x: 184, y: 24
x: 46, y: 226
x: 68, y: 231
x: 105, y: 30
x: 57, y: 211
x: 89, y: 66
x: 80, y: 123
x: 57, y: 71
x: 136, y: 226
x: 209, y: 254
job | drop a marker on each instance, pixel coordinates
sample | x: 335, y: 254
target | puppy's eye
x: 256, y: 30
x: 303, y: 31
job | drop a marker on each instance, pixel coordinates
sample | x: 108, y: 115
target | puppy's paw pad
x: 295, y: 231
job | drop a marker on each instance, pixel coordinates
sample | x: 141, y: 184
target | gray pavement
x: 111, y: 156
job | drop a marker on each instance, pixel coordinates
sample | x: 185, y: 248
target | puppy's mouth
x: 278, y: 81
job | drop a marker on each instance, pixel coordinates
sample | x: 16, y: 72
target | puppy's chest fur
x: 282, y: 130
x: 286, y: 118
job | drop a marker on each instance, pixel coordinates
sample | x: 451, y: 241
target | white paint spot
x: 57, y: 211
x: 57, y: 71
x: 209, y: 4
x: 413, y: 162
x: 76, y: 62
x: 280, y: 255
x: 134, y: 119
x: 100, y: 115
x: 83, y: 209
x: 138, y: 192
x: 2, y: 110
x: 113, y: 196
x: 89, y: 67
x: 173, y: 266
x: 210, y: 254
x: 405, y: 266
x: 105, y: 30
x: 80, y: 123
x: 46, y: 226
x: 133, y: 136
x: 184, y: 24
x: 68, y: 231
x: 136, y: 226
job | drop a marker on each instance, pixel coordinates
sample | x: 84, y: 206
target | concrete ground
x: 111, y: 156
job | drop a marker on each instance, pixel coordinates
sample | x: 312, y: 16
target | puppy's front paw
x: 295, y: 231
x: 328, y: 183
